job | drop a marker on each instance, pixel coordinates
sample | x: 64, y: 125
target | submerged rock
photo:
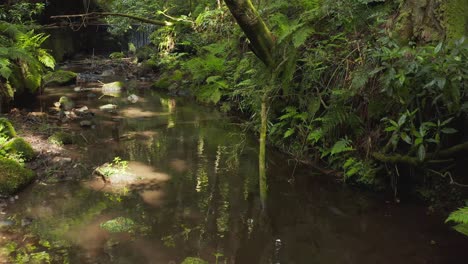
x: 13, y: 176
x: 112, y: 89
x: 133, y: 98
x: 86, y: 123
x: 60, y: 77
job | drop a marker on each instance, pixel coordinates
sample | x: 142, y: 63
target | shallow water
x: 195, y: 194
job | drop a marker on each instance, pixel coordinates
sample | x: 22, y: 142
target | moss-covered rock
x: 20, y: 146
x: 60, y: 77
x: 6, y: 128
x: 13, y: 176
x: 61, y: 138
x: 66, y: 103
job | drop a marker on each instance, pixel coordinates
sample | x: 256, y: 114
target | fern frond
x: 343, y: 145
x: 459, y: 216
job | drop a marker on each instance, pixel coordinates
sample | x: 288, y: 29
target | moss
x: 162, y: 83
x: 20, y: 146
x: 60, y: 77
x: 6, y: 128
x: 177, y: 76
x: 144, y: 53
x: 455, y: 18
x: 61, y: 138
x: 193, y: 260
x: 13, y: 176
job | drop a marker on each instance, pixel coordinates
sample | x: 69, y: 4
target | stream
x: 194, y: 194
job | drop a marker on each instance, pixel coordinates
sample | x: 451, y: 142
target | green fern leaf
x: 340, y: 146
x: 301, y: 36
x: 46, y: 59
x: 462, y: 228
x: 459, y: 216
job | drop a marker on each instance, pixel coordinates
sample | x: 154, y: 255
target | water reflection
x: 195, y: 193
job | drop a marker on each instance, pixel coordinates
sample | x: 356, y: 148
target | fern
x: 342, y: 145
x: 461, y: 217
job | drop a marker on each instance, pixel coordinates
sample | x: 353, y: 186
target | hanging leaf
x: 289, y: 132
x: 421, y: 152
x: 448, y: 130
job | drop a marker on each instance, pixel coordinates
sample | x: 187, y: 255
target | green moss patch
x: 6, y: 128
x: 13, y: 176
x: 61, y: 138
x: 20, y: 146
x: 60, y: 77
x: 455, y: 14
x: 193, y: 260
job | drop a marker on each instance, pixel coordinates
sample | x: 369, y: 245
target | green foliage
x: 22, y: 60
x: 461, y: 218
x: 59, y: 77
x: 119, y: 225
x: 116, y: 166
x: 20, y: 147
x: 6, y: 128
x: 117, y: 55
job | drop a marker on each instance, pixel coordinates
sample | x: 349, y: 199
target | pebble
x: 86, y: 123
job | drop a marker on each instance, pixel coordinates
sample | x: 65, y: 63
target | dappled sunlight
x: 179, y: 165
x: 137, y: 176
x: 135, y: 112
x: 154, y: 198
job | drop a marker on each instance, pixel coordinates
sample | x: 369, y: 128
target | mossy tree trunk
x: 255, y: 29
x: 432, y: 20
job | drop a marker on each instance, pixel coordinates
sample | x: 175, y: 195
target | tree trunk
x: 262, y: 151
x: 254, y: 28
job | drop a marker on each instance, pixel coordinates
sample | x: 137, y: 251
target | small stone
x: 86, y: 123
x: 26, y: 222
x: 16, y: 197
x: 133, y: 98
x: 12, y: 199
x: 108, y: 107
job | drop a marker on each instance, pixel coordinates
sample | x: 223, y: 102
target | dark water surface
x: 196, y: 194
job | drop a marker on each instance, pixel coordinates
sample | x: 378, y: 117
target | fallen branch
x: 104, y: 14
x: 430, y: 157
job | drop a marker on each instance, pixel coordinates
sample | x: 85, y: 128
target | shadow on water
x: 194, y: 192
